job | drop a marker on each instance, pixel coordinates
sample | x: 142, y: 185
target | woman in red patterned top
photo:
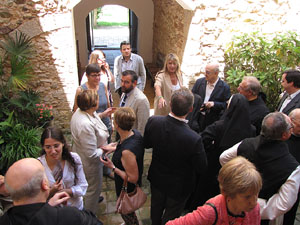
x: 240, y: 184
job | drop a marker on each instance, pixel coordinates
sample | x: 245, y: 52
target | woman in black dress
x: 128, y: 157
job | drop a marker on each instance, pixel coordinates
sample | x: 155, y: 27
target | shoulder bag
x: 129, y: 202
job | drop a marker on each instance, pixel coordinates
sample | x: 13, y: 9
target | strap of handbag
x: 216, y: 212
x: 125, y: 183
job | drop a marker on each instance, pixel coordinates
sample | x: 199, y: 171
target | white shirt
x: 209, y: 89
x: 288, y: 100
x: 176, y: 87
x: 279, y: 203
x: 177, y: 118
x: 68, y: 180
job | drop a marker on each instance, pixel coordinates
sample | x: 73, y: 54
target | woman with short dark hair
x: 127, y: 161
x: 89, y: 134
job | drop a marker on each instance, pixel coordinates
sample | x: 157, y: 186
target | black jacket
x: 178, y: 155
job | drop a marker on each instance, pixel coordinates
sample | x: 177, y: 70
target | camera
x: 104, y: 157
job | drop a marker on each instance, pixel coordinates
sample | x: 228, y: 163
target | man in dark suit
x: 215, y: 93
x: 291, y: 99
x: 178, y: 156
x: 250, y: 88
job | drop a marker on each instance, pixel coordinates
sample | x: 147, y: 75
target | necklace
x: 130, y: 134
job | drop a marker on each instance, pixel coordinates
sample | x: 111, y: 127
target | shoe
x: 100, y: 199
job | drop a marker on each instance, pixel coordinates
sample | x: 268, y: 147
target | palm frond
x: 20, y: 46
x: 21, y: 72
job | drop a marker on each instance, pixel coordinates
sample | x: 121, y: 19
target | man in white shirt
x: 291, y: 99
x: 214, y: 92
x: 129, y: 61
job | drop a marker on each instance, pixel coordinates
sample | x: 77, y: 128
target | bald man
x: 250, y: 87
x: 28, y: 187
x: 215, y: 94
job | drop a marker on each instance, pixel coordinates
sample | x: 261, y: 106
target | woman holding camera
x: 127, y: 161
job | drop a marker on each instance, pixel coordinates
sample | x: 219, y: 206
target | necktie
x: 123, y: 100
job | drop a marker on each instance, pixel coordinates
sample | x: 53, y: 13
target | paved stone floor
x: 110, y: 37
x: 106, y: 212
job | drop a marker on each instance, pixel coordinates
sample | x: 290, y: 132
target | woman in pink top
x: 237, y: 204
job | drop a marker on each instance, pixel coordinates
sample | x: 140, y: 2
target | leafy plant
x: 17, y: 52
x: 23, y: 104
x: 17, y: 142
x: 265, y: 57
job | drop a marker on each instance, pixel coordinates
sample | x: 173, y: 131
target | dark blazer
x: 295, y: 103
x: 219, y: 96
x: 178, y: 155
x: 44, y: 214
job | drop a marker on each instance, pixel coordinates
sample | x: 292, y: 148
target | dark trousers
x: 164, y: 208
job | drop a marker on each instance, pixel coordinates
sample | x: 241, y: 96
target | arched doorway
x: 144, y: 11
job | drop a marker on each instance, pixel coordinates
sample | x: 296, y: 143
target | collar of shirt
x: 294, y: 94
x: 123, y: 59
x: 214, y: 84
x: 177, y: 118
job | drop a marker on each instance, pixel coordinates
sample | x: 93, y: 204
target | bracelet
x: 113, y: 169
x: 159, y: 97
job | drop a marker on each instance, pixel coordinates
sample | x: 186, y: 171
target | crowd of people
x: 223, y: 158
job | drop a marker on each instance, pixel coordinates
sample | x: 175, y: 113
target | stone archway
x: 143, y: 9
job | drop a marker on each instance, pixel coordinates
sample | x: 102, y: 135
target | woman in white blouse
x: 63, y: 168
x: 89, y: 133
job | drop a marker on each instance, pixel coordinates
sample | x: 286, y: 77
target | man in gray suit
x: 129, y: 61
x: 134, y: 98
x: 291, y: 99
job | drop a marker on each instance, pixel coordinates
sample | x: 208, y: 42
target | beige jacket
x: 89, y: 134
x: 163, y: 80
x: 138, y: 101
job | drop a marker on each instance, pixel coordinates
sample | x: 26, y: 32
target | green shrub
x: 16, y: 142
x: 265, y: 57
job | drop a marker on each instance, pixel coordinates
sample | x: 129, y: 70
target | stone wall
x: 49, y: 24
x: 212, y: 26
x: 171, y: 24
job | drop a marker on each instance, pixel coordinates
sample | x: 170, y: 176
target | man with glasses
x: 214, y: 92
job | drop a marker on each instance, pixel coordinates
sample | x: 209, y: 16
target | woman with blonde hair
x: 240, y: 184
x: 169, y: 79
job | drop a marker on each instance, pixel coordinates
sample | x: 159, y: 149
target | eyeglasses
x: 208, y: 72
x: 94, y: 75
